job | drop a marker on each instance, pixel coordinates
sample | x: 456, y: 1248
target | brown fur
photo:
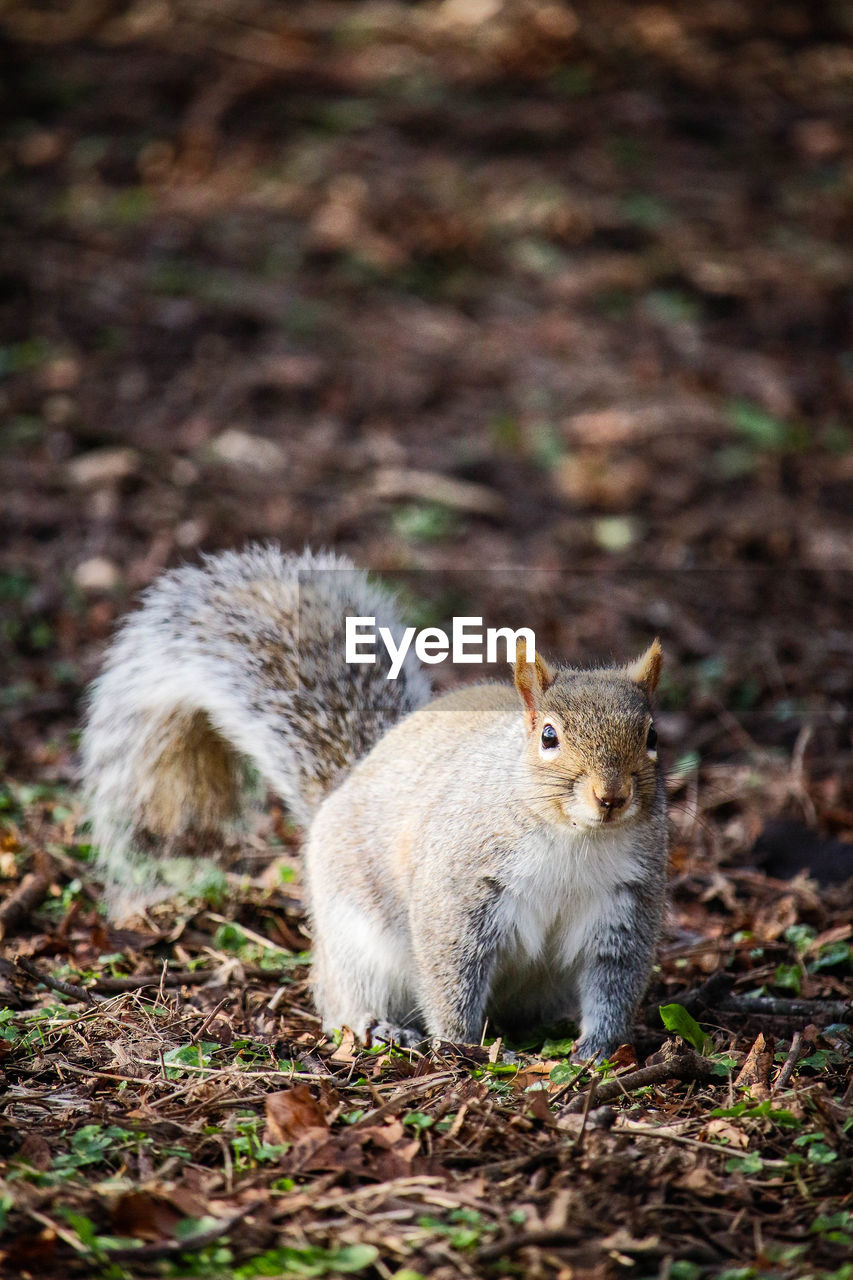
x: 196, y: 780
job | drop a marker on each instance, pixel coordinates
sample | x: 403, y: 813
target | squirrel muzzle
x: 609, y: 795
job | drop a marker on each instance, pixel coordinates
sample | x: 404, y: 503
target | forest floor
x: 544, y: 311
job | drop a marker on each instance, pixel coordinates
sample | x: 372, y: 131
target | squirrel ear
x: 531, y: 681
x: 646, y: 670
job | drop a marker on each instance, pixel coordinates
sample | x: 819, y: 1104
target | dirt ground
x: 543, y: 311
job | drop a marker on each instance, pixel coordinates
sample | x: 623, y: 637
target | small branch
x: 686, y: 1065
x: 705, y: 996
x: 789, y: 1064
x: 719, y: 1148
x: 29, y: 894
x: 524, y: 1240
x: 402, y: 1095
x: 714, y: 996
x: 116, y: 986
x: 55, y: 984
x: 197, y: 1035
x: 793, y: 1010
x: 393, y: 483
x: 588, y: 1103
x: 172, y: 978
x: 514, y: 1164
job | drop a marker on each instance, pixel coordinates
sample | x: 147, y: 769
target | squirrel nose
x: 611, y: 798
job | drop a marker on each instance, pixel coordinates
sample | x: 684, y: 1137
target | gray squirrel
x: 494, y: 853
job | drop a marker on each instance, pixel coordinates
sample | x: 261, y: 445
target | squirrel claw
x: 585, y: 1050
x: 388, y: 1033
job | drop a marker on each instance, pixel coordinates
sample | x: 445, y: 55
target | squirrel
x: 496, y: 853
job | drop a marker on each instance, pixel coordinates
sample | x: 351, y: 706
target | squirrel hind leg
x: 354, y: 986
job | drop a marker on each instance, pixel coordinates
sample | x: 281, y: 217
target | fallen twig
x: 662, y: 1134
x: 789, y: 1064
x: 172, y: 978
x: 29, y: 894
x: 793, y: 1010
x: 715, y: 996
x: 525, y: 1239
x: 23, y: 963
x: 401, y: 1094
x: 393, y: 483
x: 686, y: 1065
x: 706, y: 996
x: 587, y: 1106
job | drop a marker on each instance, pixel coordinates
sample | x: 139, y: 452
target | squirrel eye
x: 549, y: 736
x: 652, y: 738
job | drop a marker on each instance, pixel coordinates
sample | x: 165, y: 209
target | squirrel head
x: 591, y: 744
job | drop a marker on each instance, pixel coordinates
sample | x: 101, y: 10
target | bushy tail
x: 233, y: 667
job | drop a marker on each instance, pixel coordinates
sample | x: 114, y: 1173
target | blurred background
x: 563, y: 289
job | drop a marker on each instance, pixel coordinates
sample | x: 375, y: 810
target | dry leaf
x: 35, y: 1151
x: 724, y: 1131
x: 346, y: 1050
x: 144, y: 1216
x: 755, y: 1072
x: 292, y: 1113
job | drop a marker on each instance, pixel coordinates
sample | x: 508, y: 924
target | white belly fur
x: 559, y: 889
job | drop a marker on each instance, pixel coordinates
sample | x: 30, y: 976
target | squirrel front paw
x: 388, y: 1033
x: 594, y: 1047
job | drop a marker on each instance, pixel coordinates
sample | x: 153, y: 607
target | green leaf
x: 615, y: 533
x: 354, y: 1257
x: 419, y: 1119
x: 642, y: 210
x: 312, y: 1260
x: 823, y: 1058
x: 565, y: 1072
x: 187, y: 1228
x: 830, y: 955
x: 820, y: 1153
x: 833, y: 1222
x: 806, y: 1139
x: 84, y: 1227
x: 750, y: 1163
x: 763, y: 430
x: 557, y: 1048
x: 676, y: 1019
x: 188, y: 1055
x: 762, y: 1110
x: 724, y: 1064
x: 801, y: 935
x: 229, y: 937
x: 789, y: 977
x: 425, y: 522
x: 681, y: 1269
